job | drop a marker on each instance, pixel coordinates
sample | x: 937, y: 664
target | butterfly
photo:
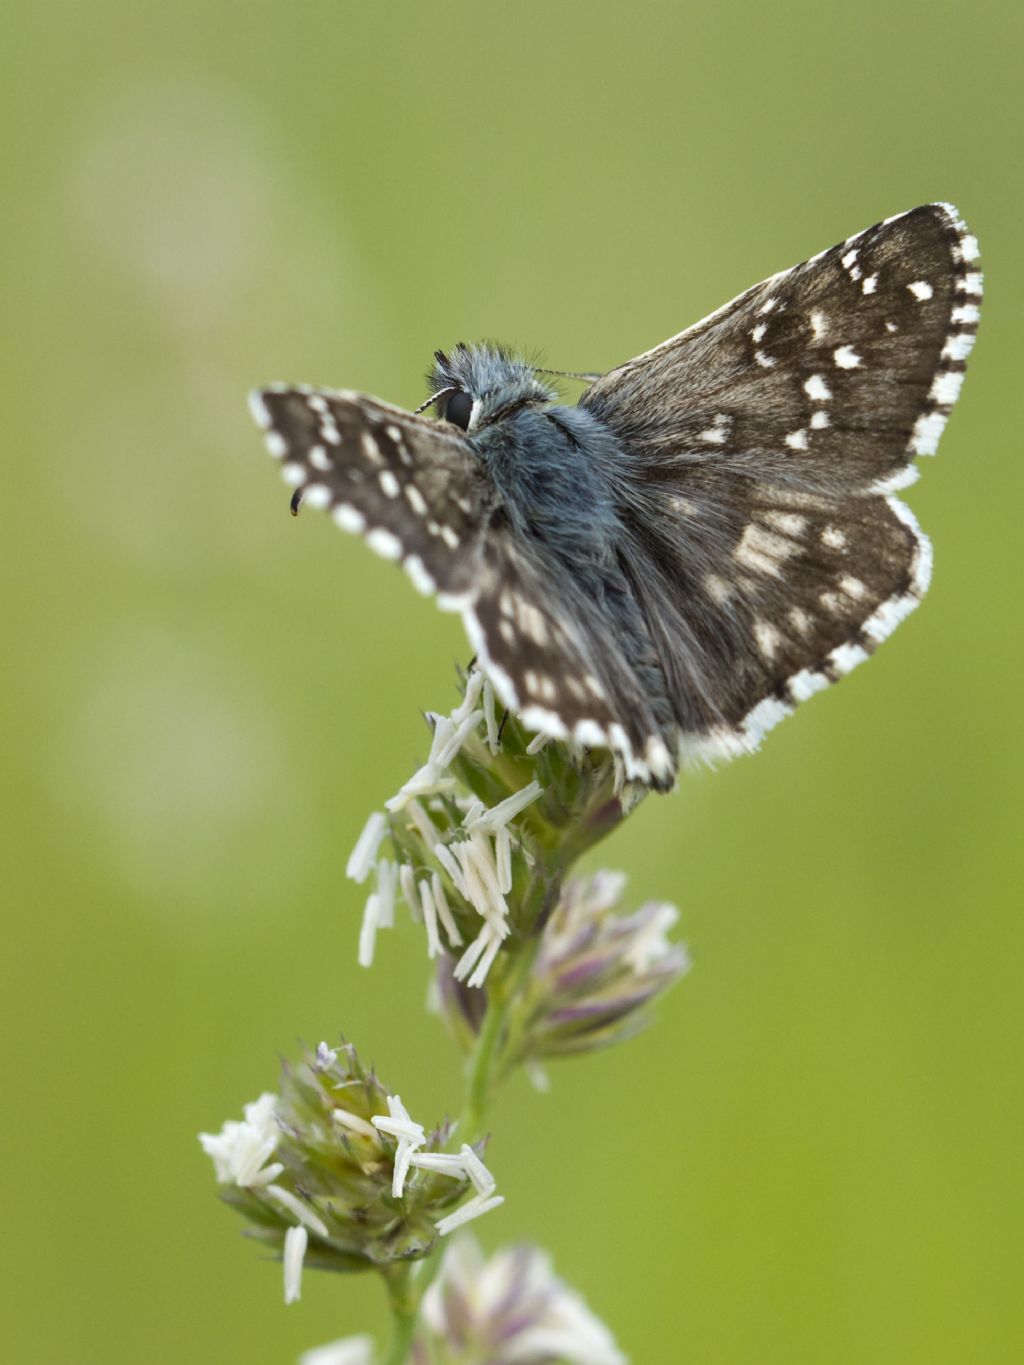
x: 709, y: 536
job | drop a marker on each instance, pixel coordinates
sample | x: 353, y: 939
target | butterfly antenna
x: 433, y: 399
x: 584, y: 378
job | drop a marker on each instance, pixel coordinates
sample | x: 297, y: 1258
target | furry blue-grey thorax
x: 556, y: 468
x: 710, y: 536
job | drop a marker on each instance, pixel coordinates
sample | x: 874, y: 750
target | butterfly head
x: 472, y: 386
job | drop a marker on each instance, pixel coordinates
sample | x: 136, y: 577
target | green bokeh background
x: 815, y: 1155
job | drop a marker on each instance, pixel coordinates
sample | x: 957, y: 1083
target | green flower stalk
x: 333, y: 1172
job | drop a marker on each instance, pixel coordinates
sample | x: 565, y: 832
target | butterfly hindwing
x: 543, y: 638
x: 755, y: 610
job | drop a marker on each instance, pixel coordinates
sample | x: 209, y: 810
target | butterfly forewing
x: 412, y: 487
x: 832, y: 375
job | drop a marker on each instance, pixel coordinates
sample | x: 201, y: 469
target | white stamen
x: 450, y: 864
x: 434, y: 948
x: 387, y: 886
x: 503, y: 859
x: 481, y: 879
x: 446, y: 751
x: 445, y: 1163
x: 490, y: 718
x: 508, y: 809
x: 407, y: 883
x: 368, y: 930
x: 468, y: 959
x: 408, y: 1134
x: 474, y: 686
x: 239, y: 1150
x: 353, y: 1123
x: 474, y: 1209
x: 444, y: 913
x: 364, y: 854
x: 483, y: 1182
x: 295, y: 1240
x: 421, y: 820
x: 485, y: 858
x: 301, y: 1211
x: 484, y: 965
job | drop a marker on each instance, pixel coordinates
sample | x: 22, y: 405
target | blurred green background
x: 815, y: 1155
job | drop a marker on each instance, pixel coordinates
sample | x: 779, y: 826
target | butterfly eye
x: 459, y: 409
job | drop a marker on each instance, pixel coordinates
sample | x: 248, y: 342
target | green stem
x: 487, y: 1064
x: 404, y: 1301
x: 483, y: 1068
x: 479, y: 1071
